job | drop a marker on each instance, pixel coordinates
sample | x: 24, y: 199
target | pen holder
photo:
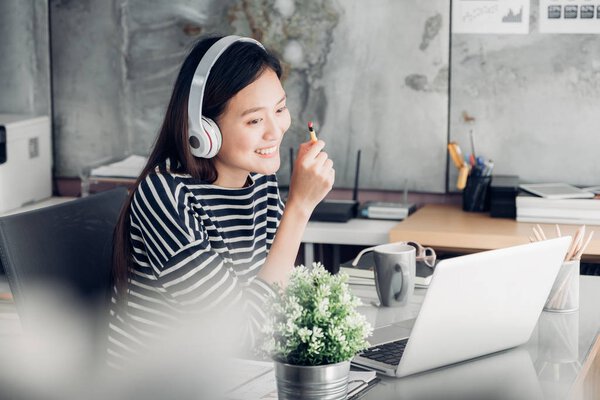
x: 475, y: 194
x: 564, y: 296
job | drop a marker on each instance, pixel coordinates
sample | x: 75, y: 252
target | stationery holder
x: 564, y: 296
x: 475, y: 194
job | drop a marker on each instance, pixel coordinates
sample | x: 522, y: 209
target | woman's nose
x: 273, y: 131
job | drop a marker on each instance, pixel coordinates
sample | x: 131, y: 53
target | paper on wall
x: 568, y: 16
x: 490, y: 16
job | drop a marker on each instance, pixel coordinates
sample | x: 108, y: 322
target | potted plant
x: 313, y: 332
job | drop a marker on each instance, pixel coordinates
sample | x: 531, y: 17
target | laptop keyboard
x: 388, y: 353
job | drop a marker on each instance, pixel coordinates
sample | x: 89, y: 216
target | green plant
x: 313, y: 320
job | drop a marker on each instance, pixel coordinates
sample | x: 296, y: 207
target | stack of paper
x: 259, y: 382
x: 358, y: 276
x: 558, y: 211
x: 366, y: 277
x: 130, y: 167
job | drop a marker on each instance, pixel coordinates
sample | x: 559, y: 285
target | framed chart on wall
x: 490, y: 16
x: 564, y: 16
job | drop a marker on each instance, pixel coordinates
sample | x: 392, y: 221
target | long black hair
x: 240, y: 65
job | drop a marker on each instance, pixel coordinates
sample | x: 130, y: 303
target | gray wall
x: 372, y: 75
x: 88, y: 52
x: 535, y: 99
x: 24, y: 55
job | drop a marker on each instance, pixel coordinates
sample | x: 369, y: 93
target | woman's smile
x: 267, y: 151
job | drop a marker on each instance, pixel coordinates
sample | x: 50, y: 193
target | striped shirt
x: 197, y: 249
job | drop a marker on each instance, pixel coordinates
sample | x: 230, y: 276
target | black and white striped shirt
x: 197, y: 249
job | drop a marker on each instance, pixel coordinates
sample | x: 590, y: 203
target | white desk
x: 362, y: 232
x: 51, y: 201
x: 560, y: 361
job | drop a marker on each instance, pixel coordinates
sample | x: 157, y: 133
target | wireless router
x: 388, y: 210
x: 339, y: 210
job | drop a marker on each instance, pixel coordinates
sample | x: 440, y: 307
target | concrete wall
x: 88, y: 83
x: 372, y: 75
x: 24, y: 57
x: 535, y: 99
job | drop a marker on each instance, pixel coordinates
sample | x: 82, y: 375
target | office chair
x: 67, y: 248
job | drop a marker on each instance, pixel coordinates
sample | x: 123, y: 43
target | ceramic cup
x: 395, y: 266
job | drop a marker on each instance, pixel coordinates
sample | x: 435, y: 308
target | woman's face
x: 252, y: 125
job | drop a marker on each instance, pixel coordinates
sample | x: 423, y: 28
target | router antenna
x: 356, y: 174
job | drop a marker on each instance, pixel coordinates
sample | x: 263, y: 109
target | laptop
x: 475, y: 305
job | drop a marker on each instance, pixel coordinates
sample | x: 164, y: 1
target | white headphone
x: 205, y: 137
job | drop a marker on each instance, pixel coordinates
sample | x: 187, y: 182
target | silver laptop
x: 475, y: 305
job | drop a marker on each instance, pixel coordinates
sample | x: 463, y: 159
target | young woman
x: 202, y: 235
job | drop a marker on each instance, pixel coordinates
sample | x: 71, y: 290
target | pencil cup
x: 564, y: 296
x: 475, y: 194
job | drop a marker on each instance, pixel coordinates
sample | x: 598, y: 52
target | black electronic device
x: 339, y: 210
x: 503, y: 192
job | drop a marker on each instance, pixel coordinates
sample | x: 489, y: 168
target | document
x: 566, y: 16
x: 490, y: 16
x: 130, y: 167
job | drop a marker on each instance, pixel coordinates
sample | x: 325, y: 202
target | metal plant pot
x: 323, y: 382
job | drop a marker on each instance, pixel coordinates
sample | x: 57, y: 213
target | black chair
x: 67, y: 247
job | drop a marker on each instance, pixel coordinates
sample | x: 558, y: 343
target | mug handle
x: 362, y: 253
x: 403, y: 270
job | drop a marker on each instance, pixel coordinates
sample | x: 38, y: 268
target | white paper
x: 261, y: 384
x: 490, y: 16
x: 358, y: 380
x: 263, y: 387
x: 569, y: 16
x: 131, y: 167
x: 254, y: 380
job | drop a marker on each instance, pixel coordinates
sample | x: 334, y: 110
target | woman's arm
x: 312, y: 179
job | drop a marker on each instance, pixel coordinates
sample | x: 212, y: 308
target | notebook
x: 557, y: 191
x: 363, y: 273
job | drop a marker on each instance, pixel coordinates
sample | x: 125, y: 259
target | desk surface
x: 553, y: 364
x: 447, y: 227
x: 559, y: 359
x: 367, y: 232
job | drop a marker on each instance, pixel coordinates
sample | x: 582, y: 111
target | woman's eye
x: 282, y: 109
x: 254, y: 121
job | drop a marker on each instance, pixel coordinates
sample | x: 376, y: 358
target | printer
x: 25, y: 160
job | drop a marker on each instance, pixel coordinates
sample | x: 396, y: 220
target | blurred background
x: 384, y: 76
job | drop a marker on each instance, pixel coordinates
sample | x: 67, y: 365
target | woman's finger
x: 310, y: 149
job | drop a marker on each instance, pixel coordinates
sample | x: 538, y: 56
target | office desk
x: 51, y: 201
x: 363, y: 232
x: 560, y: 361
x: 447, y: 227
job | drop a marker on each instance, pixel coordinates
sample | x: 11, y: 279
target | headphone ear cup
x: 198, y: 141
x: 213, y: 136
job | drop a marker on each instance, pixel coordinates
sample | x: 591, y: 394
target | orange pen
x: 313, y: 134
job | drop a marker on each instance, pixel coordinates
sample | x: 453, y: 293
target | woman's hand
x: 312, y: 177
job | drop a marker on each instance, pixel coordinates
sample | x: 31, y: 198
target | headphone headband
x: 195, y: 119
